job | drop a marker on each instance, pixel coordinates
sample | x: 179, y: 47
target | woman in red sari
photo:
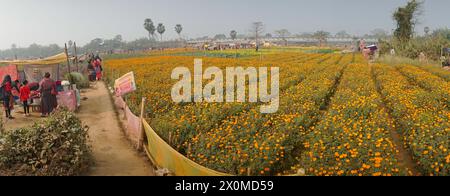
x: 48, y: 95
x: 7, y: 96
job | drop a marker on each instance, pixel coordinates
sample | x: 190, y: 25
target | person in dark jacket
x: 97, y: 58
x: 16, y: 85
x: 91, y: 70
x: 16, y: 90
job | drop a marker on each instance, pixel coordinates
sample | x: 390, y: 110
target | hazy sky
x: 56, y: 21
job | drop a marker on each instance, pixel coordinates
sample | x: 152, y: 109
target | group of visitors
x: 95, y: 68
x: 46, y: 88
x: 25, y: 92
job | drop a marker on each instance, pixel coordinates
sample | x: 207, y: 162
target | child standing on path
x: 24, y: 96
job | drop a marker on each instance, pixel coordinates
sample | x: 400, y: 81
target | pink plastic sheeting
x: 133, y: 125
x: 9, y: 70
x: 67, y: 99
x: 119, y: 102
x: 132, y: 129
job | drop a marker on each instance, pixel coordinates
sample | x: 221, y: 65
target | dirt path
x: 404, y: 156
x: 113, y: 154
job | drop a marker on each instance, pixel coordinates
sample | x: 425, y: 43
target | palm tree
x: 233, y: 34
x: 161, y: 29
x: 178, y: 29
x: 150, y: 27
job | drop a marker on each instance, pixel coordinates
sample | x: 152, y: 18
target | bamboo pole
x: 141, y: 128
x: 76, y: 55
x: 67, y: 56
x: 111, y: 78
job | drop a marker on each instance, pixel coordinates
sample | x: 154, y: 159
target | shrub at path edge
x: 56, y: 146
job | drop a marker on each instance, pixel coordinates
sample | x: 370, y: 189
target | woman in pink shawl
x: 48, y: 95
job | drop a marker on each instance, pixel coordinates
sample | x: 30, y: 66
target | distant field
x: 230, y: 53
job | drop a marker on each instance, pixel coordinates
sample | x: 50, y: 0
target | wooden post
x: 67, y: 55
x: 141, y: 127
x: 112, y: 77
x: 76, y: 55
x: 236, y: 55
x: 125, y: 108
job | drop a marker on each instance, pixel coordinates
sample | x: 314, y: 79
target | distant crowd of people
x: 95, y: 68
x: 26, y: 93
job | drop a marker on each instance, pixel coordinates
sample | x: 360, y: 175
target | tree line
x: 407, y: 42
x: 100, y: 45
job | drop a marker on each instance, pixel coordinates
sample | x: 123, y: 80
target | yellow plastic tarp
x: 57, y: 59
x: 166, y: 157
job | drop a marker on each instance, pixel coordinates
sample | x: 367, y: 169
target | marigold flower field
x: 337, y: 116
